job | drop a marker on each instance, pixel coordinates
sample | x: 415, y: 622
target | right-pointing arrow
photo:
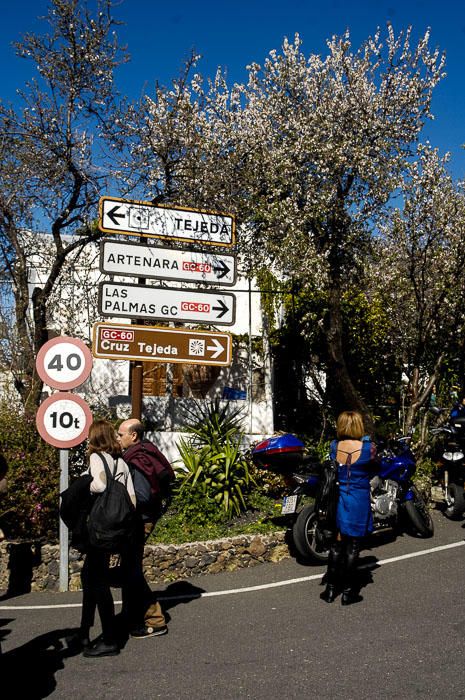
x: 223, y: 308
x: 221, y: 269
x: 217, y: 348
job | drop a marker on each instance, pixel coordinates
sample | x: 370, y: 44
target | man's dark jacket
x: 145, y: 458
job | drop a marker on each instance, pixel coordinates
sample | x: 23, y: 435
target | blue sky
x: 161, y: 34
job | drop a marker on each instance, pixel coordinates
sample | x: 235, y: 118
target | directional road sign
x: 63, y: 420
x: 160, y: 344
x: 166, y: 304
x: 158, y: 262
x: 64, y: 363
x: 160, y: 221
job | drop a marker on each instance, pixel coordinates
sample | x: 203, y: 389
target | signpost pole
x: 64, y: 575
x: 136, y: 390
x: 250, y: 358
x: 63, y: 419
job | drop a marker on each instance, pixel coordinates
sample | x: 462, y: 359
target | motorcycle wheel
x: 306, y: 539
x: 419, y: 515
x: 454, y: 510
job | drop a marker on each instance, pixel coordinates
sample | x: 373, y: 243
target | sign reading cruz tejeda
x: 117, y: 341
x: 135, y: 218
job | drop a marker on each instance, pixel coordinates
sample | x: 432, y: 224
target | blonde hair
x: 350, y: 425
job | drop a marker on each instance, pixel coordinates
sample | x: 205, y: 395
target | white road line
x: 250, y: 589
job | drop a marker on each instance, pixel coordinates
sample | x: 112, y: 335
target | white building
x: 167, y: 388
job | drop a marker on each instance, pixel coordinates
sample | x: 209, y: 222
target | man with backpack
x: 152, y: 476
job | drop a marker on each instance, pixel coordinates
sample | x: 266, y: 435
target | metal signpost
x: 160, y: 344
x: 63, y: 419
x: 165, y: 304
x: 135, y: 218
x: 158, y: 262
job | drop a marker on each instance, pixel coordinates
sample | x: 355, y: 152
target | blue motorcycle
x: 395, y: 500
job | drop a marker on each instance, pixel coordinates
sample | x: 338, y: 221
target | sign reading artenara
x: 134, y: 218
x: 158, y: 262
x: 167, y: 304
x: 116, y: 341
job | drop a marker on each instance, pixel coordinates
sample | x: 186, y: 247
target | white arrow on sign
x: 158, y: 262
x: 166, y: 304
x: 217, y: 348
x: 161, y: 221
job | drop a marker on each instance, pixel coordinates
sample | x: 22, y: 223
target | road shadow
x: 4, y: 632
x: 177, y: 593
x: 29, y: 670
x: 22, y: 558
x: 366, y: 566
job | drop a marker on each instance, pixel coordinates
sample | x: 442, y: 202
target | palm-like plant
x: 213, y: 461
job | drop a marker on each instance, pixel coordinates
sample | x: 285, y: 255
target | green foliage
x: 372, y: 359
x: 189, y: 521
x: 214, y: 469
x: 272, y: 292
x: 267, y: 484
x: 30, y: 508
x: 317, y: 451
x: 210, y: 423
x: 425, y: 469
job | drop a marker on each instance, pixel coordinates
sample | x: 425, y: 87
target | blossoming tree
x: 309, y: 153
x: 52, y: 168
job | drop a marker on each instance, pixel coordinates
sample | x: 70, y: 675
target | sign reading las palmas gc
x: 166, y: 304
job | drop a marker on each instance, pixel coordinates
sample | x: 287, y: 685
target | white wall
x: 76, y: 311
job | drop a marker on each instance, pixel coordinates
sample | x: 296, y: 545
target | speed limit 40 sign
x: 64, y: 363
x: 63, y: 420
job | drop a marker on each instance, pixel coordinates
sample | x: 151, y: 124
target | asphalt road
x: 264, y: 633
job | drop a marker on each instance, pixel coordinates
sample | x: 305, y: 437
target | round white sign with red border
x: 64, y: 363
x: 63, y: 420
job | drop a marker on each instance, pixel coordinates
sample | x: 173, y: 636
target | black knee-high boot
x: 333, y: 572
x: 350, y: 593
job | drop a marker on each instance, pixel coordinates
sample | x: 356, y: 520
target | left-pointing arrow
x: 223, y: 308
x: 217, y: 348
x: 114, y: 216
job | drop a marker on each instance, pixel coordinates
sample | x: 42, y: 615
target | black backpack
x: 75, y: 505
x: 112, y: 519
x: 327, y: 497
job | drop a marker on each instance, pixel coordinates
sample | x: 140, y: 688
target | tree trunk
x: 340, y: 390
x: 420, y: 397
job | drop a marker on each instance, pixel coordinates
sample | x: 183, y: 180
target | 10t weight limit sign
x: 63, y: 420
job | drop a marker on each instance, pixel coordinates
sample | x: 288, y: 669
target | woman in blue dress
x: 355, y: 454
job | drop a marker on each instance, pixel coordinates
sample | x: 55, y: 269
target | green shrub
x: 214, y: 468
x: 188, y: 521
x: 30, y: 508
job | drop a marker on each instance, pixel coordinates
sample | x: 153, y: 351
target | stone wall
x: 28, y: 566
